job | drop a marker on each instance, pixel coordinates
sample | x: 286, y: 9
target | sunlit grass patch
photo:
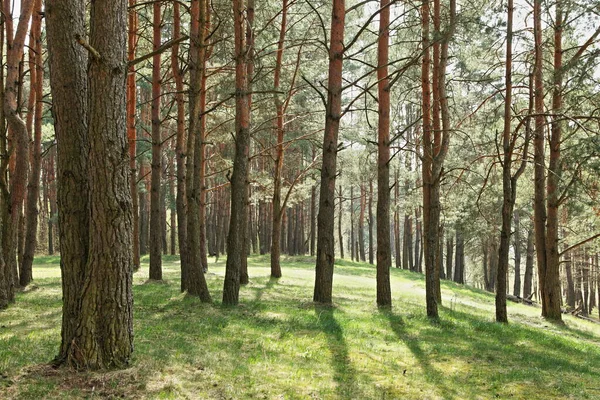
x: 277, y: 344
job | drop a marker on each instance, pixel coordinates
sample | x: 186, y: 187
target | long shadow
x: 268, y: 286
x: 344, y: 373
x: 434, y: 376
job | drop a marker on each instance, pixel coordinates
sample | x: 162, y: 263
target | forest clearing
x: 352, y: 199
x: 278, y: 344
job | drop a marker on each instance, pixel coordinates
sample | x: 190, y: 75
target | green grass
x: 278, y: 345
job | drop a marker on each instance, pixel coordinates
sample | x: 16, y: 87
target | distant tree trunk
x: 143, y: 202
x: 353, y: 255
x: 155, y: 203
x: 340, y: 209
x: 459, y: 263
x: 131, y: 129
x: 361, y: 224
x: 325, y: 225
x: 172, y: 216
x: 449, y: 254
x: 239, y: 177
x: 517, y: 249
x: 313, y: 225
x: 384, y: 257
x: 371, y: 222
x: 528, y: 279
x: 401, y: 253
x: 37, y: 71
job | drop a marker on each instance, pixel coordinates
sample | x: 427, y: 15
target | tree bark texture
x: 325, y: 219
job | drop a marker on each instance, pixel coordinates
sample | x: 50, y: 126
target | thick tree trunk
x: 239, y: 176
x: 459, y: 266
x: 68, y: 81
x: 155, y: 203
x: 325, y: 225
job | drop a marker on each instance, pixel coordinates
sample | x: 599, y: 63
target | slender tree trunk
x: 32, y: 213
x: 361, y: 224
x: 239, y: 177
x: 20, y: 141
x: 528, y: 279
x: 353, y: 255
x: 325, y: 225
x: 180, y: 151
x: 155, y: 203
x: 384, y: 257
x: 196, y: 281
x: 131, y: 129
x: 508, y: 185
x: 517, y: 249
x: 279, y: 129
x: 340, y: 209
x: 370, y: 208
x: 449, y: 254
x: 313, y: 225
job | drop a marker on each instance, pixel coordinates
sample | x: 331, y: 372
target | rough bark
x: 156, y: 244
x: 68, y: 81
x: 517, y: 249
x: 239, y: 176
x: 530, y: 253
x: 325, y: 224
x: 340, y: 210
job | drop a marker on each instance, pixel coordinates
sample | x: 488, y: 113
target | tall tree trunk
x: 20, y: 140
x: 131, y: 128
x: 239, y: 176
x: 155, y: 187
x: 508, y: 183
x: 180, y: 152
x: 384, y: 257
x: 459, y: 272
x: 325, y: 225
x: 196, y: 281
x: 37, y: 71
x: 279, y: 129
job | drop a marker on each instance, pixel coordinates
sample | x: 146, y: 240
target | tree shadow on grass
x: 268, y: 286
x: 344, y: 374
x: 431, y: 373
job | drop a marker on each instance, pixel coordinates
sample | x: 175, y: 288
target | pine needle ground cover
x: 278, y: 345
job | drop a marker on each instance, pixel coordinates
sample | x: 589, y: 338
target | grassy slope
x: 278, y: 345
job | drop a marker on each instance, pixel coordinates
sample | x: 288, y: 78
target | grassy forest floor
x: 278, y: 345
